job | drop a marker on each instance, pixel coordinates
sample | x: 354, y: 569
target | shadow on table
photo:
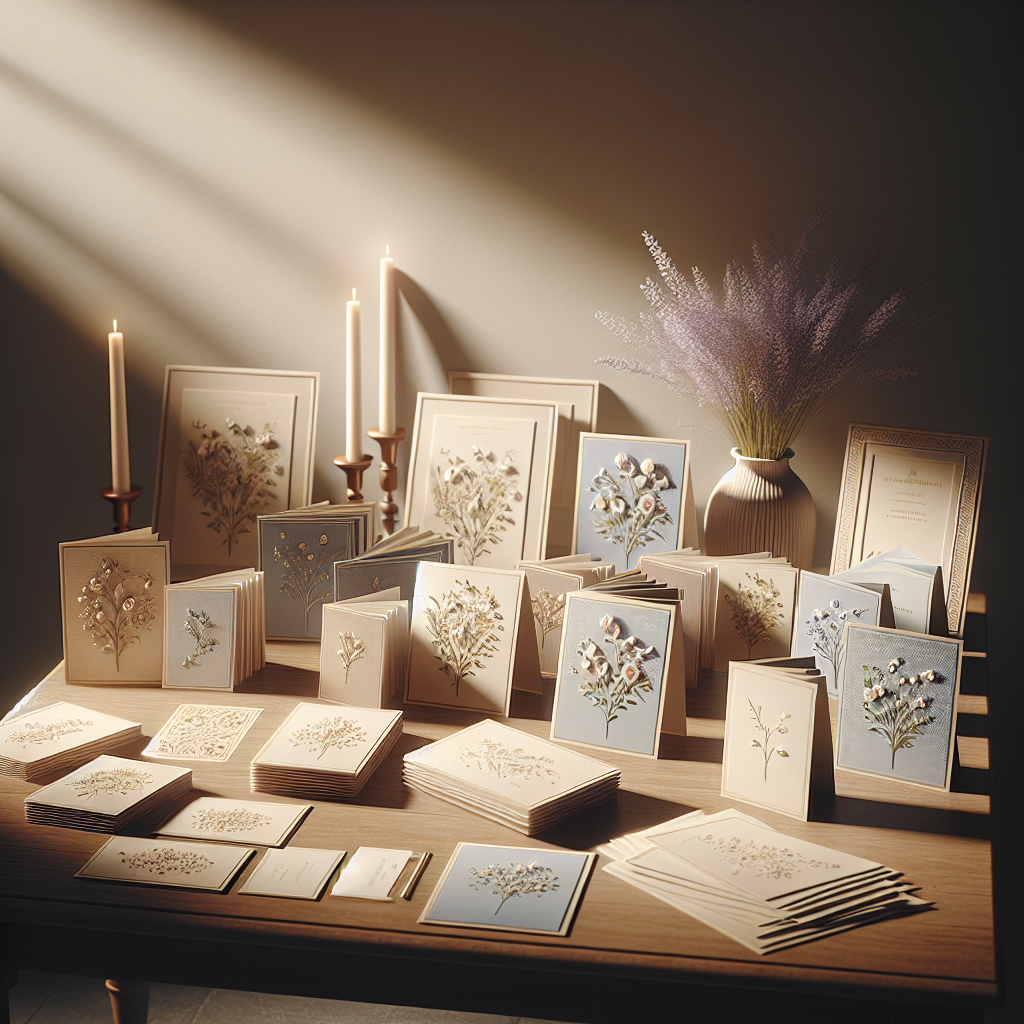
x: 848, y: 810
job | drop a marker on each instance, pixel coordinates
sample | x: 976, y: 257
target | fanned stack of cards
x: 328, y: 753
x: 764, y: 889
x: 59, y: 738
x: 512, y: 777
x: 107, y: 794
x: 297, y: 551
x: 214, y: 627
x: 365, y: 649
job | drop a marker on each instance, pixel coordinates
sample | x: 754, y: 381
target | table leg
x: 129, y: 1000
x: 8, y: 979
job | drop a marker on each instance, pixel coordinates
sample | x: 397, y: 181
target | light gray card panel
x: 298, y: 559
x: 360, y: 682
x: 599, y: 454
x: 635, y: 726
x: 201, y: 638
x: 367, y: 576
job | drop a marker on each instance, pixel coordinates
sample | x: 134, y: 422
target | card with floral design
x: 225, y: 820
x: 633, y: 497
x: 112, y: 603
x: 897, y: 705
x: 202, y: 732
x: 754, y: 617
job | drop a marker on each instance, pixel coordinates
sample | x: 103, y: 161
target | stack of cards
x: 236, y: 821
x: 327, y: 753
x: 766, y: 890
x: 297, y: 552
x: 214, y: 629
x: 365, y: 649
x: 522, y: 781
x: 59, y: 738
x: 107, y: 794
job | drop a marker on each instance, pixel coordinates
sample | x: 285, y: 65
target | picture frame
x: 577, y: 402
x: 898, y: 700
x: 917, y: 489
x: 464, y: 446
x: 272, y: 412
x: 657, y: 514
x: 479, y: 876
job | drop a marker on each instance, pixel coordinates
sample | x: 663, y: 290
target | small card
x: 754, y: 617
x: 371, y: 873
x: 202, y: 732
x: 897, y: 705
x: 236, y: 821
x: 295, y: 872
x: 509, y: 888
x: 166, y: 862
x: 778, y: 740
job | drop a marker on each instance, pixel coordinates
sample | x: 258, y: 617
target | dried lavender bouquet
x: 772, y: 350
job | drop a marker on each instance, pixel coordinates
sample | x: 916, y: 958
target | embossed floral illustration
x: 229, y: 819
x: 306, y: 571
x: 325, y: 733
x: 826, y: 626
x: 766, y: 731
x: 198, y: 625
x: 510, y: 763
x: 232, y: 474
x: 474, y: 499
x: 760, y: 859
x: 464, y: 625
x: 513, y: 880
x: 203, y: 731
x: 755, y: 610
x: 351, y: 650
x: 897, y: 703
x: 117, y: 607
x: 547, y: 611
x: 627, y: 511
x: 45, y: 732
x: 160, y: 860
x: 613, y: 685
x: 120, y: 781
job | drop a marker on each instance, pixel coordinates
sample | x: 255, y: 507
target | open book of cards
x: 107, y: 794
x: 59, y: 738
x: 511, y: 777
x: 326, y: 753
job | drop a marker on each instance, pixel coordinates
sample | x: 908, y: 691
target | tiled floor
x: 57, y: 999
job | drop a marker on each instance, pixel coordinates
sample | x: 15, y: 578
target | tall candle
x: 353, y: 384
x: 388, y: 422
x: 121, y: 473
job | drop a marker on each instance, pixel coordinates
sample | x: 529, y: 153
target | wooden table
x: 624, y: 948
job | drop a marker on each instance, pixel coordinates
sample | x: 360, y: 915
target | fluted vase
x: 761, y: 505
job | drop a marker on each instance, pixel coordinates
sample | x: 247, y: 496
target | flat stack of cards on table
x: 764, y: 889
x: 364, y: 651
x: 520, y: 780
x: 107, y: 794
x: 327, y: 753
x: 59, y: 738
x: 214, y: 626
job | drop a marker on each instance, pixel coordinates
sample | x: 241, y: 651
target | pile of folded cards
x: 325, y: 752
x: 764, y: 889
x: 58, y: 738
x: 512, y: 777
x: 107, y: 794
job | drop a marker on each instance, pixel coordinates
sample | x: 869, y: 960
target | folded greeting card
x: 692, y: 584
x: 294, y: 873
x: 202, y: 732
x: 235, y: 821
x: 112, y: 604
x: 371, y: 873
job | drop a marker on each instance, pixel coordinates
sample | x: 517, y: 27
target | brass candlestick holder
x: 388, y: 474
x: 122, y: 506
x: 354, y: 474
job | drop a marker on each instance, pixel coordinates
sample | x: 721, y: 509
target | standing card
x: 754, y: 617
x: 236, y: 821
x: 295, y: 873
x: 371, y: 873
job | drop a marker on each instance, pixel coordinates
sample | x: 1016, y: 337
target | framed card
x: 481, y: 474
x: 471, y: 636
x: 169, y: 862
x: 294, y: 873
x: 613, y: 673
x: 577, y: 402
x: 236, y: 821
x: 509, y: 888
x: 202, y: 732
x: 897, y: 705
x: 633, y: 497
x: 233, y: 443
x: 915, y: 489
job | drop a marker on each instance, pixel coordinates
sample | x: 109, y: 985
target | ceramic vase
x: 761, y: 505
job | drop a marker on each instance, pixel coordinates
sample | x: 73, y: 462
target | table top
x: 940, y: 841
